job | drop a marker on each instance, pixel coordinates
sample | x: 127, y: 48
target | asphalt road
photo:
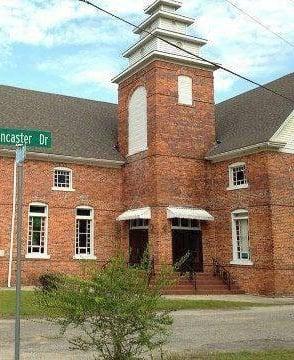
x: 252, y: 329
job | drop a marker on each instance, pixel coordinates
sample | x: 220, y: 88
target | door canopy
x: 143, y: 213
x: 188, y: 213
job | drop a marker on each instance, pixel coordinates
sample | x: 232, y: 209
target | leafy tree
x: 115, y: 314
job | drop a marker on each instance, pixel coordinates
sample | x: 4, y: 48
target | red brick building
x: 165, y: 169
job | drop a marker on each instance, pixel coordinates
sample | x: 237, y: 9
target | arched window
x: 185, y: 90
x: 240, y: 234
x: 37, y: 231
x: 138, y: 121
x: 84, y: 248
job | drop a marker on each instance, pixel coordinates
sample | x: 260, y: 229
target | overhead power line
x: 259, y: 23
x: 185, y: 51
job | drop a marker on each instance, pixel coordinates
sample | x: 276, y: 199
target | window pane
x: 36, y: 224
x: 239, y: 175
x: 62, y: 178
x: 195, y: 223
x: 83, y: 236
x: 83, y: 212
x: 36, y: 238
x: 185, y: 222
x: 37, y: 209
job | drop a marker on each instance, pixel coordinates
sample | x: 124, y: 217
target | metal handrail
x: 186, y: 260
x: 220, y: 271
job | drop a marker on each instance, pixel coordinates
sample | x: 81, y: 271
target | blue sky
x: 65, y: 47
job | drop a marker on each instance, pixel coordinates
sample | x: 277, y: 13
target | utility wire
x: 259, y: 22
x: 186, y: 51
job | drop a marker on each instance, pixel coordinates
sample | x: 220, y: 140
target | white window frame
x: 44, y: 215
x: 189, y: 227
x: 232, y: 186
x: 90, y: 256
x: 138, y: 135
x: 139, y: 224
x: 241, y: 214
x: 183, y: 97
x: 59, y: 188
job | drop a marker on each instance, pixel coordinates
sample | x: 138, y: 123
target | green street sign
x: 30, y: 138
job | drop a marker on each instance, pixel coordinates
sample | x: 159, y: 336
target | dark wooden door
x: 184, y: 241
x: 138, y: 242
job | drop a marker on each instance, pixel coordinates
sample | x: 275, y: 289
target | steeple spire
x: 163, y: 22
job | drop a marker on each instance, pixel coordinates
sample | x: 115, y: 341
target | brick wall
x: 269, y: 201
x: 173, y: 170
x: 99, y: 188
x: 281, y: 181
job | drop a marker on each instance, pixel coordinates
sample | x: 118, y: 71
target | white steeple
x: 165, y: 23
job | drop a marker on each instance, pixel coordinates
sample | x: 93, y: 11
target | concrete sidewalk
x: 240, y: 298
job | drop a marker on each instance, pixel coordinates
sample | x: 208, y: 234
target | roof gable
x: 285, y: 134
x: 253, y: 117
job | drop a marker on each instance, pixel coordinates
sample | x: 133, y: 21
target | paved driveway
x: 256, y: 328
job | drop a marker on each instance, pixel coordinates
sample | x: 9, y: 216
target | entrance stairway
x: 202, y: 284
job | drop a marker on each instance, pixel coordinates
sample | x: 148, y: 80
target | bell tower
x: 166, y: 119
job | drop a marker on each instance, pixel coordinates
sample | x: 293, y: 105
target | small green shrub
x: 115, y: 313
x: 49, y: 282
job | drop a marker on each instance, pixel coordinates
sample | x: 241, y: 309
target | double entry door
x: 185, y: 241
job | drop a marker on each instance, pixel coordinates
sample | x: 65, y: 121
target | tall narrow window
x: 185, y: 90
x: 62, y: 179
x: 37, y: 232
x: 240, y: 231
x: 138, y: 121
x: 84, y: 233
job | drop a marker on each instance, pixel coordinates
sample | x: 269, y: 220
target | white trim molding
x: 149, y: 58
x: 247, y: 150
x: 66, y: 159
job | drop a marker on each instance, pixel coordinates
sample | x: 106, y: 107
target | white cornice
x: 149, y: 9
x: 65, y: 159
x: 163, y: 14
x: 162, y: 56
x: 247, y: 150
x: 163, y: 32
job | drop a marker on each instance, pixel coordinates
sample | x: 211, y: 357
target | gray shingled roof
x: 253, y: 117
x: 81, y: 128
x: 88, y: 129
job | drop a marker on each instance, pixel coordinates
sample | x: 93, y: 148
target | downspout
x: 12, y: 227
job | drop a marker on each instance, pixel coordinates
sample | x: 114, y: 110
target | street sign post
x: 21, y: 139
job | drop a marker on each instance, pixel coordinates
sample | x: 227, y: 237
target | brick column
x: 160, y: 237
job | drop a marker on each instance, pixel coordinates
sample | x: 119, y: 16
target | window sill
x: 187, y: 105
x: 230, y: 188
x: 85, y: 257
x: 137, y: 152
x: 242, y: 262
x: 62, y: 189
x: 37, y: 257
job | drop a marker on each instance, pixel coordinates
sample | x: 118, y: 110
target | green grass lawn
x: 29, y: 307
x: 261, y: 355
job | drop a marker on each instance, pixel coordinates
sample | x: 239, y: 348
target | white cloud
x: 234, y: 40
x: 85, y: 67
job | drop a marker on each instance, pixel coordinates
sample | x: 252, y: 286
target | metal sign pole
x: 20, y: 157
